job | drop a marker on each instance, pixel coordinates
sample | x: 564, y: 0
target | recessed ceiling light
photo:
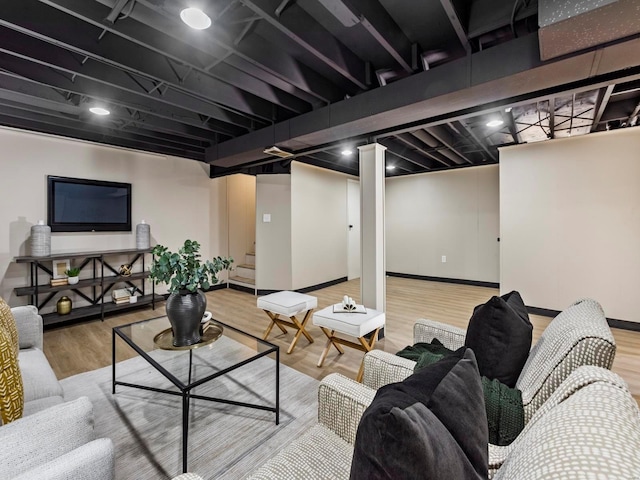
x: 494, y: 123
x: 195, y: 18
x: 391, y: 167
x: 346, y: 152
x: 99, y: 111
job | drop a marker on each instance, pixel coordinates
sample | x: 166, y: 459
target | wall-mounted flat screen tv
x: 81, y: 205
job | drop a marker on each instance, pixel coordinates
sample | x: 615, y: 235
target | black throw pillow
x: 430, y: 426
x: 499, y: 333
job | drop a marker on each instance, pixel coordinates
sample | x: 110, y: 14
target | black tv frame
x: 52, y: 180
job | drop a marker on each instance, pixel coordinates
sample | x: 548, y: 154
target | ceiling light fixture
x: 99, y: 111
x: 495, y: 123
x: 346, y: 152
x: 195, y: 18
x: 391, y: 167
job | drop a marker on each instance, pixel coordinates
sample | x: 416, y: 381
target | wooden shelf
x: 96, y: 310
x: 89, y: 282
x: 89, y: 254
x: 94, y: 297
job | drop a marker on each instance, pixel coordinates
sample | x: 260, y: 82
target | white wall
x: 570, y: 221
x: 453, y: 213
x: 319, y: 225
x: 273, y: 239
x: 173, y: 195
x: 218, y: 221
x: 242, y: 216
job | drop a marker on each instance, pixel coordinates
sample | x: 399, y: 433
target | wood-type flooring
x: 86, y: 346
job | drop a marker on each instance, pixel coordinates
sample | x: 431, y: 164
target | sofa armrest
x: 92, y: 461
x: 426, y: 330
x: 42, y: 437
x: 382, y: 368
x: 341, y: 403
x: 29, y: 325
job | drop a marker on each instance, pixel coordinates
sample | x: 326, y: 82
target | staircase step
x: 248, y: 266
x: 250, y: 282
x: 250, y: 258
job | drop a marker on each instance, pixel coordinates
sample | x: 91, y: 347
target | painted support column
x: 373, y: 268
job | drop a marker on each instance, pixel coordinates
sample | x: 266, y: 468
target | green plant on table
x: 72, y: 272
x: 184, y: 271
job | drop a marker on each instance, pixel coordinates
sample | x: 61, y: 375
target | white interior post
x: 372, y: 178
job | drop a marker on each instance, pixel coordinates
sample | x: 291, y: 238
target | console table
x: 93, y: 289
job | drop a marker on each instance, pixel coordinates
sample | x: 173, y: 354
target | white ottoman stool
x: 288, y: 304
x: 357, y: 325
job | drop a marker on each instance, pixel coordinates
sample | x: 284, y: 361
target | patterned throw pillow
x: 11, y: 390
x: 8, y: 323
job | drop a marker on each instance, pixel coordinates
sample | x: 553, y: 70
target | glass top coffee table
x: 190, y: 367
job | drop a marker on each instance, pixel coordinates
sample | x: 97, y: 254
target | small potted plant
x: 186, y: 274
x: 73, y: 275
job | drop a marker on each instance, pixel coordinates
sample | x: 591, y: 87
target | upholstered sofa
x: 589, y: 427
x: 579, y: 335
x: 54, y: 439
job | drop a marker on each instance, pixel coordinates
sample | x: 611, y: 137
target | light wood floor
x: 86, y: 346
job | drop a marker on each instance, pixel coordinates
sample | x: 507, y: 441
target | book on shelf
x: 121, y: 301
x: 120, y: 293
x: 58, y: 282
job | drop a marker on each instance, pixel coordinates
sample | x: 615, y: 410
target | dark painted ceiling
x: 316, y: 76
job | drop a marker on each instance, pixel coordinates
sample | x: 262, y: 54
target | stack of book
x: 58, y: 282
x: 121, y: 296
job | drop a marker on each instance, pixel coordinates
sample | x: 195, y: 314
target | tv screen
x: 80, y: 205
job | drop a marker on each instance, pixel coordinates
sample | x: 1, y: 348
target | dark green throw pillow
x: 505, y: 413
x: 424, y: 353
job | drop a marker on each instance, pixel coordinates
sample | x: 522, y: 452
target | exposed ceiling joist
x: 456, y: 24
x: 602, y: 105
x: 302, y: 29
x: 479, y: 141
x: 119, y: 53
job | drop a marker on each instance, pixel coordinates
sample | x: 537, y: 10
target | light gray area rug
x: 225, y: 442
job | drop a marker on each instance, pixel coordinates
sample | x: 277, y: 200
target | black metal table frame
x: 185, y: 390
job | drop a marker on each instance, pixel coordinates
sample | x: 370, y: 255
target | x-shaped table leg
x: 294, y: 323
x: 364, y: 345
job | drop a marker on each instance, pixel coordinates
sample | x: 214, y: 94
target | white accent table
x: 359, y: 325
x: 288, y: 304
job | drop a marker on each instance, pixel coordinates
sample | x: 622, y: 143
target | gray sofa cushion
x: 35, y: 406
x: 52, y: 433
x: 430, y: 426
x: 92, y: 461
x: 37, y: 376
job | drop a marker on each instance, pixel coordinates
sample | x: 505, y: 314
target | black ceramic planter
x: 185, y: 311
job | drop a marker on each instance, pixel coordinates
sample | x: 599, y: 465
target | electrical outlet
x: 444, y: 259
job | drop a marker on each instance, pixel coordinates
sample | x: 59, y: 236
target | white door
x: 353, y: 227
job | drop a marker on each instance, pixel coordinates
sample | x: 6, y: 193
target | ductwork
x: 505, y: 74
x: 568, y: 26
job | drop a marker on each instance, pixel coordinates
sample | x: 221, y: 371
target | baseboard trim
x: 219, y: 286
x: 308, y: 289
x: 322, y: 285
x: 613, y: 322
x: 242, y: 288
x: 623, y: 324
x: 475, y: 283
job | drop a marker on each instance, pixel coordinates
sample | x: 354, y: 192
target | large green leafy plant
x: 184, y: 271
